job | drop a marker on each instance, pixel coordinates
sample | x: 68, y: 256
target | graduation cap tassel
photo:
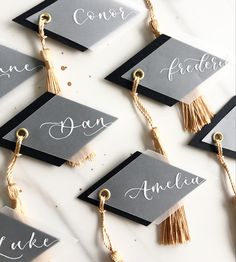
x: 105, y: 195
x: 196, y: 114
x: 52, y: 83
x: 217, y: 139
x: 173, y: 230
x: 13, y: 189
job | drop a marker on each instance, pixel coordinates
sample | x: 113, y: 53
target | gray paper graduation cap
x: 224, y: 122
x: 162, y: 62
x: 15, y: 67
x: 79, y: 23
x: 58, y: 128
x: 143, y: 188
x: 21, y: 242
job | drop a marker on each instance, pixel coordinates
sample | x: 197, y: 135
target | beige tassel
x: 218, y: 139
x: 52, y: 83
x: 13, y: 190
x: 173, y: 230
x: 196, y: 115
x: 105, y: 195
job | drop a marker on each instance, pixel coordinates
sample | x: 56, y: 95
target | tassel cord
x: 13, y: 190
x: 221, y: 158
x: 114, y: 255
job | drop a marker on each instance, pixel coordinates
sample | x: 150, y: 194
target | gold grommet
x: 217, y: 137
x: 104, y: 193
x: 22, y: 132
x: 47, y: 17
x: 138, y: 73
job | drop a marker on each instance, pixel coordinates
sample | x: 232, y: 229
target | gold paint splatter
x: 63, y: 68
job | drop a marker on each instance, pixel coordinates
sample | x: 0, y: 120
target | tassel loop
x: 13, y: 189
x: 105, y: 195
x: 52, y: 83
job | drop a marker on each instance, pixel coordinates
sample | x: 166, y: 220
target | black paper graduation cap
x: 172, y: 69
x: 143, y: 188
x: 81, y: 23
x: 58, y: 128
x: 21, y: 242
x: 225, y: 122
x: 15, y: 67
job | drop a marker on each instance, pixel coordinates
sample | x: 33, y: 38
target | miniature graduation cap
x: 219, y: 136
x: 57, y: 128
x: 21, y: 242
x: 15, y: 68
x: 173, y: 72
x: 225, y: 123
x: 82, y: 23
x: 143, y: 188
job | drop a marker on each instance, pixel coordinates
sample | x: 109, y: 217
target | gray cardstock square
x: 15, y: 67
x: 146, y: 168
x: 157, y: 79
x: 65, y: 142
x: 13, y: 231
x: 78, y: 28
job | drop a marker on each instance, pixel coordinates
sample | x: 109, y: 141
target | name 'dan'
x: 148, y: 191
x: 20, y: 247
x: 189, y: 65
x: 64, y: 129
x: 81, y: 16
x: 14, y: 69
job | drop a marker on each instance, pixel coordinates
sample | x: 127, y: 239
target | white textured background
x: 45, y: 186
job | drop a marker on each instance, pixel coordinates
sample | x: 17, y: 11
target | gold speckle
x: 63, y: 68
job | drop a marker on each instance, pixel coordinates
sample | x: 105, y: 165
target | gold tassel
x: 105, y: 195
x: 196, y: 115
x: 174, y: 230
x: 13, y: 189
x: 52, y: 83
x: 217, y: 139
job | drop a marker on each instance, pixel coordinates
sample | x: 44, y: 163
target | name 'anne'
x: 17, y: 69
x: 189, y: 65
x: 20, y: 247
x: 149, y: 191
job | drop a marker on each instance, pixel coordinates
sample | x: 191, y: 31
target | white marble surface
x: 49, y: 193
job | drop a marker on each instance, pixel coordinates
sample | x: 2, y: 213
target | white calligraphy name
x: 149, y: 192
x: 63, y: 129
x: 11, y: 69
x: 19, y: 247
x: 189, y: 65
x: 81, y: 16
